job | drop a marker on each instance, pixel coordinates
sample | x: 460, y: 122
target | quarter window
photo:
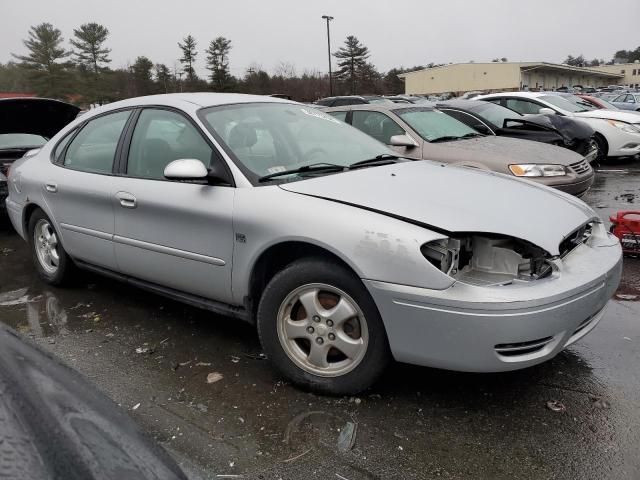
x: 160, y: 137
x: 339, y: 115
x: 522, y: 106
x: 94, y: 148
x: 376, y: 124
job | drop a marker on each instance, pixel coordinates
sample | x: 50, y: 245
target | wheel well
x: 601, y: 138
x: 275, y: 259
x: 28, y: 211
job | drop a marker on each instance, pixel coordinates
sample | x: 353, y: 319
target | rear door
x: 80, y: 192
x: 172, y: 233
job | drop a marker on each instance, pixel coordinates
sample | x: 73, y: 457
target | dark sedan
x: 491, y: 119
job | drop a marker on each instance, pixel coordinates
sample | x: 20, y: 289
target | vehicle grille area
x: 580, y: 167
x: 522, y: 348
x: 576, y: 238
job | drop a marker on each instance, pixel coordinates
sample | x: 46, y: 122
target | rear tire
x: 49, y: 257
x: 321, y: 329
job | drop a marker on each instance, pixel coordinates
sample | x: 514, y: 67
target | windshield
x: 19, y: 140
x: 579, y: 102
x: 267, y: 138
x: 495, y: 114
x: 564, y: 104
x: 432, y: 124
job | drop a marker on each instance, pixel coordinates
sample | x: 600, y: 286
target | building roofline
x: 559, y: 66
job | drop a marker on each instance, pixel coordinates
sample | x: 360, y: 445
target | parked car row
x: 343, y: 252
x: 617, y: 133
x: 422, y: 132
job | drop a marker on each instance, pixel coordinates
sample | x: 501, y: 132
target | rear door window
x: 94, y: 147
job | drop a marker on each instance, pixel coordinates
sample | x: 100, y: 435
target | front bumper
x: 624, y: 144
x: 500, y: 328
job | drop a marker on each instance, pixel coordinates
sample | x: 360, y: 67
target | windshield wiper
x: 446, y: 138
x: 472, y: 134
x: 316, y: 167
x: 384, y: 159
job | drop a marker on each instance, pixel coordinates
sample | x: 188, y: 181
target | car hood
x: 35, y: 116
x: 623, y: 116
x: 498, y: 151
x: 455, y: 199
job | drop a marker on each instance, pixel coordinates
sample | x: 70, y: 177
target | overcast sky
x: 399, y: 32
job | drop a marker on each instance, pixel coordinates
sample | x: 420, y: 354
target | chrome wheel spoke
x: 342, y: 312
x: 318, y: 355
x: 309, y: 301
x: 53, y: 257
x: 295, y: 328
x: 350, y: 347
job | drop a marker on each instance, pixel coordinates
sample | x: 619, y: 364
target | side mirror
x: 402, y: 141
x: 547, y: 111
x: 186, y: 169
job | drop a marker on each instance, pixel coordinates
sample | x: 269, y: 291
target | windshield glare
x: 433, y: 124
x: 267, y: 138
x: 565, y: 104
x: 18, y: 140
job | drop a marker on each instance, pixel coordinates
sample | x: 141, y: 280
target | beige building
x: 465, y: 77
x: 629, y: 71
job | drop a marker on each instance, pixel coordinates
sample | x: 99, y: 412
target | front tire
x: 602, y: 146
x: 321, y: 329
x: 49, y: 257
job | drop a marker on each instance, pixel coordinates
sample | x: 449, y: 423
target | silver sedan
x: 342, y: 254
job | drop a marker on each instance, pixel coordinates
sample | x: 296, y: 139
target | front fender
x: 375, y: 246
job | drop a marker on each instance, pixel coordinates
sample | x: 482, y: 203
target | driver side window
x: 377, y: 125
x: 160, y: 137
x: 522, y: 106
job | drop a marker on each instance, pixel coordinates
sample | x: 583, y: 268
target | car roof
x: 515, y: 94
x: 197, y: 99
x: 462, y: 104
x: 189, y: 102
x: 378, y: 107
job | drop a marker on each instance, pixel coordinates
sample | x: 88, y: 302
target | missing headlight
x: 487, y: 259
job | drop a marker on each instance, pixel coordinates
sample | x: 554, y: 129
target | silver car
x: 342, y: 254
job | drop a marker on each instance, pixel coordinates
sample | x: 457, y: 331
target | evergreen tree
x: 163, y: 77
x: 352, y: 59
x: 218, y: 63
x: 89, y: 43
x: 142, y: 76
x: 47, y: 71
x: 189, y: 55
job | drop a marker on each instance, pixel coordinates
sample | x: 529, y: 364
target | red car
x: 597, y: 102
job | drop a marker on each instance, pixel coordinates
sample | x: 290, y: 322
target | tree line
x: 81, y: 71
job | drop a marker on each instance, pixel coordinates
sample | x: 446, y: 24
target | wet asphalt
x: 153, y: 356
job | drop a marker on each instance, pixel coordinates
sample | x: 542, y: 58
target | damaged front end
x: 488, y: 259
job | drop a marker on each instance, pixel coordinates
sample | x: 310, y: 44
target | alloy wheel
x: 322, y: 330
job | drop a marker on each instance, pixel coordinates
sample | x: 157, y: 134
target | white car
x: 617, y: 132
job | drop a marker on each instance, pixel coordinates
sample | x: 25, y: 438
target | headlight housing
x: 537, y: 170
x: 624, y: 126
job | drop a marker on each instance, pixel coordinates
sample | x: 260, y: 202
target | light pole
x: 328, y: 19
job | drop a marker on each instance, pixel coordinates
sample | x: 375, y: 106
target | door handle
x: 51, y: 187
x: 126, y: 200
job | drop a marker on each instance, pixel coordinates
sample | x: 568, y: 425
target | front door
x: 175, y: 234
